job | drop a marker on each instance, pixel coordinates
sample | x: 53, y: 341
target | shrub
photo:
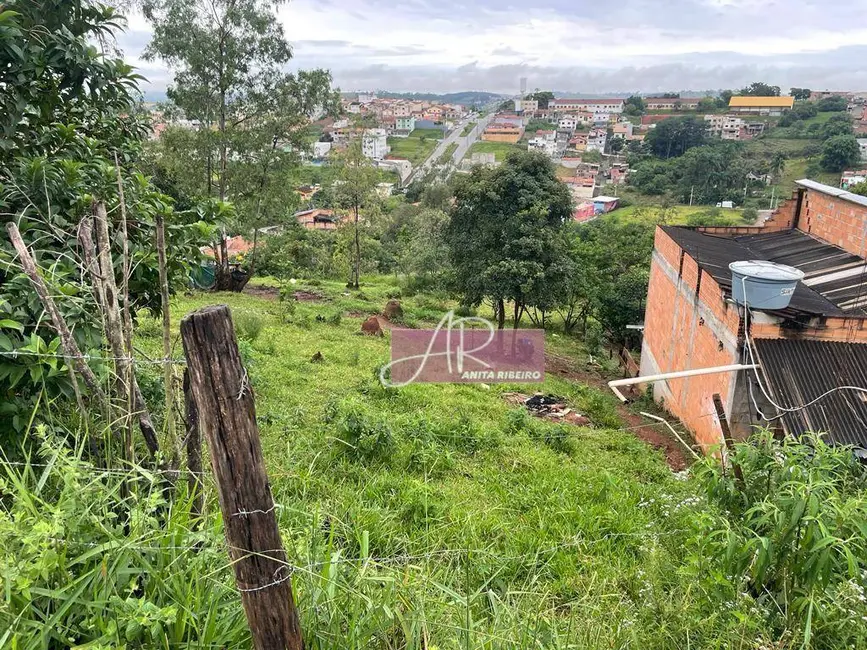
x: 248, y: 325
x: 360, y: 434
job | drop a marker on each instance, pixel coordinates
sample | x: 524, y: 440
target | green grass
x: 499, y: 149
x: 418, y: 146
x: 448, y: 153
x: 675, y: 214
x: 469, y: 127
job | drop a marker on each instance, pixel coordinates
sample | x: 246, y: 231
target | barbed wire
x: 91, y: 357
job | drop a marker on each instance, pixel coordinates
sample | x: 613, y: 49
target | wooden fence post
x: 227, y: 416
x: 727, y: 437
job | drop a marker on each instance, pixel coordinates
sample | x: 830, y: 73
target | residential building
x: 567, y: 123
x: 729, y: 127
x: 852, y: 177
x: 526, y: 105
x: 816, y: 95
x: 581, y: 187
x: 590, y: 105
x: 862, y: 145
x: 545, y: 145
x: 618, y: 173
x: 604, y: 204
x: 321, y: 149
x: 579, y: 141
x: 671, y: 103
x: 622, y: 130
x: 760, y: 105
x: 803, y: 351
x: 374, y: 144
x: 402, y: 109
x: 596, y: 140
x: 366, y: 98
x: 406, y: 124
x: 317, y: 219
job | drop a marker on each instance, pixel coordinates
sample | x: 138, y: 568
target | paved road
x: 463, y: 142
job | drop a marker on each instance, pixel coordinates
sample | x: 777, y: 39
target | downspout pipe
x: 649, y: 379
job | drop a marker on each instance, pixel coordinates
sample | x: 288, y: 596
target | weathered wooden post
x: 227, y: 416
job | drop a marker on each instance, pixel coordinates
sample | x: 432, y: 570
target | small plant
x: 334, y: 318
x: 361, y: 436
x: 248, y: 325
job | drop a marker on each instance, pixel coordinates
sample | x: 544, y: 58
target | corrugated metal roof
x: 714, y: 253
x: 748, y: 101
x: 799, y: 371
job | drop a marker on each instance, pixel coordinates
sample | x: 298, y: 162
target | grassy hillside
x: 417, y: 146
x: 499, y: 149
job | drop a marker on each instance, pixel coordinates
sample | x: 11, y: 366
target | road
x: 454, y: 137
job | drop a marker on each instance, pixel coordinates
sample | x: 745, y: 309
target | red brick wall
x: 682, y: 331
x: 835, y: 220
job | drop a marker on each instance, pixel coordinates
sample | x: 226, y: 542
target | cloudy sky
x: 587, y: 46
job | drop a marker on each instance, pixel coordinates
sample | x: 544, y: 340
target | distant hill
x: 466, y: 98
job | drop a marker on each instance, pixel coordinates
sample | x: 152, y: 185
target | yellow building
x: 510, y: 134
x: 760, y: 105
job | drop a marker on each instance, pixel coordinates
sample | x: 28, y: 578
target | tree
x: 616, y: 144
x: 504, y: 232
x: 676, y: 135
x: 801, y: 94
x: 859, y: 188
x: 840, y: 124
x: 725, y: 97
x: 543, y: 97
x: 832, y: 104
x: 778, y: 165
x: 634, y: 105
x: 706, y: 105
x: 229, y: 58
x: 356, y: 191
x: 840, y: 152
x: 761, y: 89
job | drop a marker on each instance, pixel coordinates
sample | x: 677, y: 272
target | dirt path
x: 656, y: 435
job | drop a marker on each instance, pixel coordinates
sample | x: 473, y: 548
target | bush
x: 248, y: 325
x: 793, y: 535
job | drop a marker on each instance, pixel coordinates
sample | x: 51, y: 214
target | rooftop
x: 835, y: 283
x: 748, y: 101
x: 799, y: 371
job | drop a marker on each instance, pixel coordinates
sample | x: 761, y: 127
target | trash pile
x: 548, y: 406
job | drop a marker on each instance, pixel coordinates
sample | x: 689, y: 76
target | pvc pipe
x: 649, y: 379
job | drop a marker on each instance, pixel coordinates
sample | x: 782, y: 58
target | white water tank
x: 764, y: 285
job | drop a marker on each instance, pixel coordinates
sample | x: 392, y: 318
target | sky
x: 582, y: 46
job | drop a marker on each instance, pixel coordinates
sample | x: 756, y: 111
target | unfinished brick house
x: 817, y: 343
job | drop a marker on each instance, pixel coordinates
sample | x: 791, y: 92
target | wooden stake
x: 193, y: 444
x: 727, y: 437
x: 167, y: 332
x: 127, y: 318
x: 227, y: 415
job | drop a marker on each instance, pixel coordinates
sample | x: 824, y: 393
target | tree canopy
x: 760, y: 89
x: 676, y: 135
x: 840, y: 152
x: 800, y: 93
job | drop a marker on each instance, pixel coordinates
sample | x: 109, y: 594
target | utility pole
x: 773, y: 196
x: 691, y: 192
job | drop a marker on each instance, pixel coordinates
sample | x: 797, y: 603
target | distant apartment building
x: 596, y: 140
x: 404, y: 123
x: 607, y: 106
x: 761, y: 105
x: 671, y: 103
x: 567, y: 123
x: 402, y: 109
x: 374, y: 144
x: 502, y: 133
x: 526, y: 105
x: 729, y: 127
x: 366, y: 98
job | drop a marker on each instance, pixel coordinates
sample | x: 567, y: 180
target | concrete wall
x: 688, y: 325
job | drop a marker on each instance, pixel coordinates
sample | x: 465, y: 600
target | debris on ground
x: 307, y: 296
x: 393, y: 310
x: 372, y: 327
x: 550, y: 407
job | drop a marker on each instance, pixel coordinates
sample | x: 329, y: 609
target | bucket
x: 764, y: 285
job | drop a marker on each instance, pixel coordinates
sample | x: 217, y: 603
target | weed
x: 248, y: 325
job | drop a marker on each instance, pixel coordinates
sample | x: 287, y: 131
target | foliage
x: 838, y: 124
x: 800, y: 94
x: 543, y: 97
x: 832, y: 104
x: 67, y: 110
x: 297, y: 252
x: 859, y: 188
x: 793, y: 534
x: 594, y: 156
x: 706, y: 105
x: 840, y: 152
x: 760, y: 89
x: 802, y: 110
x: 503, y: 234
x: 676, y: 135
x: 634, y: 105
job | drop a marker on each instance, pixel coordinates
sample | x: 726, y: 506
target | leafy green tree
x: 840, y: 152
x: 710, y: 174
x: 832, y: 104
x: 229, y: 59
x: 859, y: 188
x: 652, y: 176
x: 676, y: 135
x: 66, y: 110
x: 778, y: 164
x: 840, y: 124
x: 616, y: 145
x: 760, y: 89
x: 634, y: 105
x: 355, y: 190
x: 725, y: 97
x: 504, y: 234
x: 706, y: 105
x: 800, y: 94
x: 543, y: 97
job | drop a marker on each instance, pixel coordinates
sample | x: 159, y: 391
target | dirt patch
x: 268, y: 293
x: 653, y: 433
x: 308, y: 296
x: 549, y: 407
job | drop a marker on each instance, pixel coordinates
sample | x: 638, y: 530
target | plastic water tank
x: 764, y: 285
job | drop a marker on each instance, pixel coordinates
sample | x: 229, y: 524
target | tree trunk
x: 227, y: 415
x: 357, y: 252
x: 501, y: 313
x: 168, y: 374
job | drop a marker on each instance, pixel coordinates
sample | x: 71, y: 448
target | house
x: 596, y: 140
x: 307, y: 192
x: 317, y: 219
x: 545, y: 145
x: 235, y: 246
x: 604, y: 204
x: 606, y: 106
x: 760, y: 105
x: 622, y: 130
x: 584, y: 211
x: 618, y: 173
x: 374, y: 144
x: 851, y: 178
x: 801, y: 352
x: 526, y: 105
x: 671, y: 103
x: 581, y: 187
x: 404, y: 123
x: 729, y: 127
x: 862, y: 145
x: 321, y: 149
x: 567, y: 123
x: 579, y: 141
x: 816, y: 95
